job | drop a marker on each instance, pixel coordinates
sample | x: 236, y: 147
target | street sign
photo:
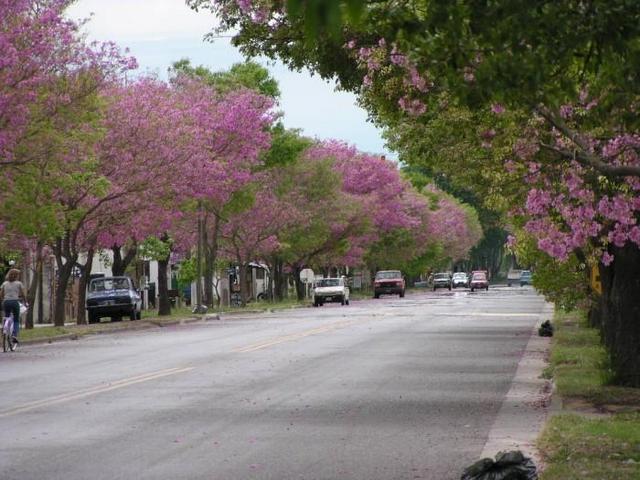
x: 596, y: 285
x: 307, y: 275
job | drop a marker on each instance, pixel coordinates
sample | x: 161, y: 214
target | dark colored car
x: 113, y: 297
x: 441, y: 280
x: 479, y: 279
x: 388, y: 282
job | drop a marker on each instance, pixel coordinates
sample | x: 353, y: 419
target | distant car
x: 525, y: 278
x: 459, y: 279
x: 441, y: 280
x: 479, y: 280
x: 113, y: 297
x: 388, y: 282
x: 330, y: 290
x: 513, y: 276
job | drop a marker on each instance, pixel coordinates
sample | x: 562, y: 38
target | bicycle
x: 9, y: 342
x: 236, y: 300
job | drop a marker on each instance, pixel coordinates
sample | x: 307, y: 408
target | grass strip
x: 592, y: 442
x: 578, y: 448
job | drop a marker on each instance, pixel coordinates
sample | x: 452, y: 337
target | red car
x: 388, y: 281
x: 479, y: 279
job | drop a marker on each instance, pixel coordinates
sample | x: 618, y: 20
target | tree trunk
x: 120, y: 263
x: 85, y: 273
x: 208, y: 276
x: 41, y: 290
x: 64, y: 274
x: 620, y: 309
x: 300, y: 286
x: 211, y: 255
x: 279, y: 280
x: 244, y: 293
x: 33, y: 286
x: 164, y: 305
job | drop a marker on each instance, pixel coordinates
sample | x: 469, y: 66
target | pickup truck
x: 513, y: 276
x: 330, y: 290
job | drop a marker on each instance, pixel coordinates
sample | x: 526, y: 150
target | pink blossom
x: 607, y: 258
x: 497, y: 108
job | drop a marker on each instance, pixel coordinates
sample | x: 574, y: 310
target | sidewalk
x: 524, y: 410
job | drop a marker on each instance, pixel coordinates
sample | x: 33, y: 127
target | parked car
x: 513, y: 276
x: 388, y: 282
x: 460, y: 279
x: 441, y: 280
x: 525, y: 278
x: 330, y: 290
x: 113, y: 297
x: 479, y: 279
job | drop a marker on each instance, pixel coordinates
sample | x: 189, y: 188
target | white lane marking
x: 67, y: 397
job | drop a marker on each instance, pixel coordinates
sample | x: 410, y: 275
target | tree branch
x: 582, y: 154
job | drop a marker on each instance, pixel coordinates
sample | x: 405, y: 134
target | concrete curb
x: 148, y: 324
x: 525, y: 408
x: 139, y: 325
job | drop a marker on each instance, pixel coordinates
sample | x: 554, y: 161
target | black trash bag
x: 507, y: 466
x: 546, y: 329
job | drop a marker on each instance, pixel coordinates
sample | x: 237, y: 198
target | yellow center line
x: 67, y: 397
x: 294, y: 336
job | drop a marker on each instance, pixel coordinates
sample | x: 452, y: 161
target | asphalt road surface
x: 381, y: 389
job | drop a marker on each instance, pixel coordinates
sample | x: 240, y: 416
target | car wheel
x: 93, y: 318
x: 376, y: 295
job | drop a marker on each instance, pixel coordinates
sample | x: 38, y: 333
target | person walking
x: 11, y: 292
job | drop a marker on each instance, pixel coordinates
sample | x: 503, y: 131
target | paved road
x: 381, y: 389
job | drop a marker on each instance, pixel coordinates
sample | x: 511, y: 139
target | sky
x: 159, y: 32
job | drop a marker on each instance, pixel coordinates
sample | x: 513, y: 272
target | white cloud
x: 142, y: 20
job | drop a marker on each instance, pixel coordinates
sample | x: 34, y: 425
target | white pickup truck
x: 330, y: 290
x: 513, y: 276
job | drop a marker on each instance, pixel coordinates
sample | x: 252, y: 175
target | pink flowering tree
x: 39, y: 47
x: 253, y: 232
x: 232, y: 132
